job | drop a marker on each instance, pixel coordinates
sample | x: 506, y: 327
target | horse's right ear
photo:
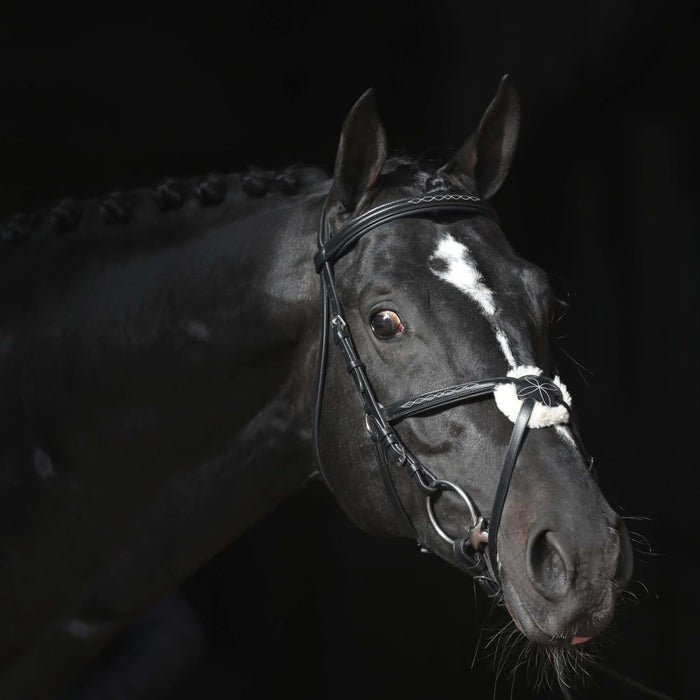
x: 361, y: 152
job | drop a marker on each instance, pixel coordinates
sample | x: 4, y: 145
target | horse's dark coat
x: 144, y: 368
x: 155, y: 391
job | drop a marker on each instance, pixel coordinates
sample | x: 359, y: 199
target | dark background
x: 602, y: 195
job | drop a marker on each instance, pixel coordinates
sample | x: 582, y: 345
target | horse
x: 167, y: 378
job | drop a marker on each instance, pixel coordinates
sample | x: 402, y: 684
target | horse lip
x: 580, y: 640
x: 531, y: 630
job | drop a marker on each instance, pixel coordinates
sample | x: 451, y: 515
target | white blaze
x: 461, y: 272
x: 505, y: 347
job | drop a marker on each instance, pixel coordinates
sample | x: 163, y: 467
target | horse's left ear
x: 487, y: 154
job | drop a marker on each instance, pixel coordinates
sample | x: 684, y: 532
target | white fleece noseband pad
x: 543, y: 414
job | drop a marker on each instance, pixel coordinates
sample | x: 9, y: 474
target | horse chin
x: 545, y: 628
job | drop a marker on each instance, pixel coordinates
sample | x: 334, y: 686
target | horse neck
x: 259, y: 302
x: 193, y: 336
x: 263, y: 307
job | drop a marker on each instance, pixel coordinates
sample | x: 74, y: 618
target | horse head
x: 431, y: 302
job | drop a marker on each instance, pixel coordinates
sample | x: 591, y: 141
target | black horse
x: 157, y: 383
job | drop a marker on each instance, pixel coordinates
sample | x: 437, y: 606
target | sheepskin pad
x: 543, y: 416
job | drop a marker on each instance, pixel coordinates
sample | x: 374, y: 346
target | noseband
x: 482, y: 535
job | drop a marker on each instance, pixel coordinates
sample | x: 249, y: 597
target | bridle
x: 469, y: 551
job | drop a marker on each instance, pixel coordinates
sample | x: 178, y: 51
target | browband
x: 332, y: 249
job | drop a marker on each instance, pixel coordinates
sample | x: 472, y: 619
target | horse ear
x: 487, y: 154
x: 361, y: 152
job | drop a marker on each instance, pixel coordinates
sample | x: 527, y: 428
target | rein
x: 477, y: 552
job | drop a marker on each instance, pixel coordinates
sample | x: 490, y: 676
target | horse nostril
x: 546, y: 566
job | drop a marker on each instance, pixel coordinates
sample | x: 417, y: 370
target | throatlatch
x: 525, y: 396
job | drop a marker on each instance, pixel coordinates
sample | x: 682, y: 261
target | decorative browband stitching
x: 444, y: 198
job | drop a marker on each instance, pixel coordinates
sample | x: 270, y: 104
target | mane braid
x: 119, y: 208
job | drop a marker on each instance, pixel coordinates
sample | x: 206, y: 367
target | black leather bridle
x: 469, y: 551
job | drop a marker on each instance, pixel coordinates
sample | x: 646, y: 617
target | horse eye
x: 386, y: 324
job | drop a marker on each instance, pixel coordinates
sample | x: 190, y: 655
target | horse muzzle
x: 563, y: 590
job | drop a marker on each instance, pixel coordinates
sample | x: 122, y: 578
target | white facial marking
x: 505, y: 347
x: 462, y: 272
x: 564, y: 432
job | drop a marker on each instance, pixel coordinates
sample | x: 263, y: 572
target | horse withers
x: 161, y: 390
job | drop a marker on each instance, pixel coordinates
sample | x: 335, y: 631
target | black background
x: 602, y: 195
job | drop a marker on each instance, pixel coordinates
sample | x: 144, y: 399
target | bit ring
x: 444, y: 485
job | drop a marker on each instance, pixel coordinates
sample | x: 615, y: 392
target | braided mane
x: 191, y: 195
x: 187, y: 197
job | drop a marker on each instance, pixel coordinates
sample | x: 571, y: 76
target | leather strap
x: 509, y: 460
x: 474, y: 563
x: 441, y: 398
x: 332, y: 249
